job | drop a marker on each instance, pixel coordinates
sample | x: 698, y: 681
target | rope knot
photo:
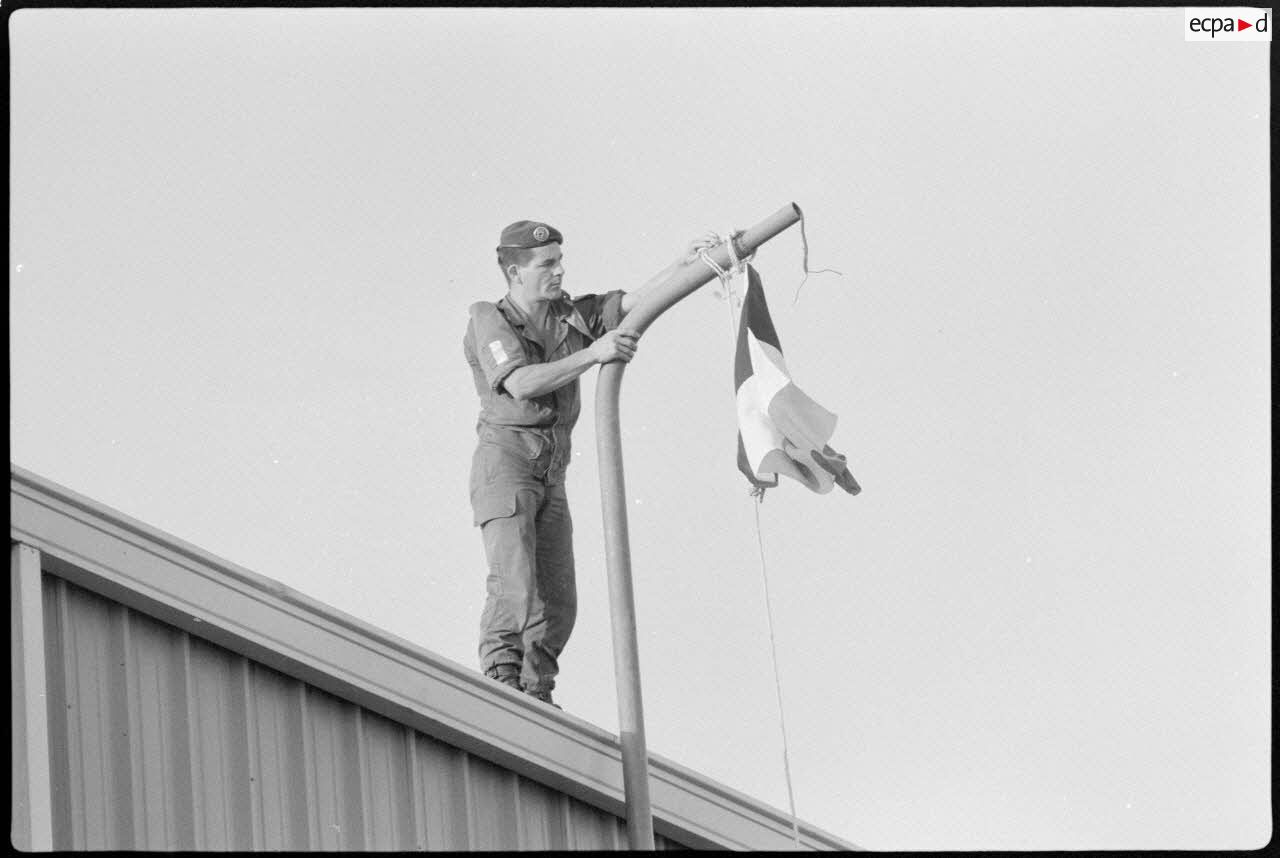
x: 737, y: 262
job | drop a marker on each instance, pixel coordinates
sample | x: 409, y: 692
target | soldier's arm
x: 630, y: 299
x: 533, y: 380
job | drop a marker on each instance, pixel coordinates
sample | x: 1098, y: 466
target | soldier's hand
x: 706, y: 241
x: 618, y: 344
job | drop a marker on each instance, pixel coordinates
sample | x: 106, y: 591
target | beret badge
x: 529, y: 234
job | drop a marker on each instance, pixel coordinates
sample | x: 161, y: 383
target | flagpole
x: 622, y: 610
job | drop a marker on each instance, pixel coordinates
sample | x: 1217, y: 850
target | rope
x: 711, y: 263
x: 758, y: 493
x: 733, y: 315
x: 777, y: 681
x: 804, y: 245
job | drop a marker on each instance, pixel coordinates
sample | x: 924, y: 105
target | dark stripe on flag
x: 756, y: 319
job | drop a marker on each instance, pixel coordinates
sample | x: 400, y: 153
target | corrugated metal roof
x: 195, y: 704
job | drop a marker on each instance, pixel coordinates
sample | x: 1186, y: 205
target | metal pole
x: 622, y: 609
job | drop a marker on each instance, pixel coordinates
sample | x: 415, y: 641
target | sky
x: 242, y: 247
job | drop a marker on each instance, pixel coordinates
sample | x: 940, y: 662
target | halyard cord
x: 726, y: 278
x: 804, y: 245
x: 777, y: 682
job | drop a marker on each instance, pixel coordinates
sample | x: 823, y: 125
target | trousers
x: 531, y: 599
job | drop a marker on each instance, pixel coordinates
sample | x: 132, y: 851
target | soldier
x: 526, y: 352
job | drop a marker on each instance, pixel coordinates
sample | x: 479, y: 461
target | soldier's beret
x: 529, y: 233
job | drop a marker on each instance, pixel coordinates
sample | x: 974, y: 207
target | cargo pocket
x: 488, y: 505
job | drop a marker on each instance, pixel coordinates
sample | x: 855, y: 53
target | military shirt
x: 500, y: 338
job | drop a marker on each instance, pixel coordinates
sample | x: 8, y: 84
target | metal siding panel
x: 208, y: 683
x: 306, y: 744
x: 389, y: 796
x: 160, y: 751
x: 60, y: 736
x: 190, y: 731
x: 442, y: 773
x: 591, y: 828
x: 146, y: 729
x: 185, y: 821
x: 417, y: 796
x: 339, y: 806
x: 160, y: 740
x: 347, y: 756
x: 281, y: 773
x: 299, y: 767
x: 83, y: 739
x: 97, y: 791
x: 237, y: 785
x: 269, y: 736
x: 267, y: 741
x: 132, y: 745
x: 323, y: 797
x: 522, y: 830
x: 361, y: 775
x: 118, y: 768
x: 253, y: 790
x: 492, y: 806
x: 565, y: 815
x: 543, y: 823
x: 619, y: 833
x: 665, y: 844
x: 346, y: 750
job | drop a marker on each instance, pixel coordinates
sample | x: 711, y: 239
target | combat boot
x: 544, y: 696
x: 507, y: 674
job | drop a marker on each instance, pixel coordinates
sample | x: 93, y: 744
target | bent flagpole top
x: 692, y: 275
x: 685, y: 280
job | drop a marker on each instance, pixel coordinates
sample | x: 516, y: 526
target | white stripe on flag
x: 767, y: 360
x: 783, y: 430
x: 759, y: 435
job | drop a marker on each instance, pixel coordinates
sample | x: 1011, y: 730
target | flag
x: 780, y: 429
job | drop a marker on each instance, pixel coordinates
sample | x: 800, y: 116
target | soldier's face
x: 539, y: 279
